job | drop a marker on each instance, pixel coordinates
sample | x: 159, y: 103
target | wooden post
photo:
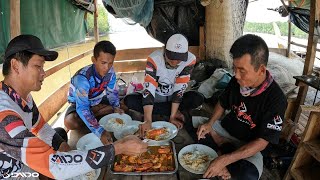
x: 202, y: 46
x: 15, y: 29
x: 95, y: 22
x: 289, y: 34
x: 308, y: 65
x: 289, y: 39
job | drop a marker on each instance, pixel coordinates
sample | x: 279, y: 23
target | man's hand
x: 203, y: 130
x: 143, y: 128
x: 217, y: 167
x: 118, y: 110
x: 106, y: 138
x: 225, y: 174
x: 64, y: 147
x: 130, y: 145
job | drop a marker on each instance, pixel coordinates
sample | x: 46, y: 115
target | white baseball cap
x: 177, y: 47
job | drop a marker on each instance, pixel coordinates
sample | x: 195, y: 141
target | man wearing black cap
x: 166, y: 79
x: 27, y: 142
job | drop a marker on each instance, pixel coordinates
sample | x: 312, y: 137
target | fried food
x: 157, y: 134
x: 196, y: 160
x: 157, y: 159
x: 115, y: 123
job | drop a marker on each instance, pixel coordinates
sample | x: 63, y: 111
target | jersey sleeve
x: 181, y: 82
x: 112, y: 92
x: 16, y: 142
x: 45, y: 132
x: 150, y: 82
x: 83, y: 107
x: 272, y: 119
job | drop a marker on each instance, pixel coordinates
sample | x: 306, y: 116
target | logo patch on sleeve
x: 277, y: 124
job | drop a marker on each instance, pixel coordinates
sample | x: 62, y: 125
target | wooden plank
x: 130, y: 66
x: 54, y: 102
x: 15, y: 28
x: 202, y: 46
x: 143, y: 53
x: 161, y: 177
x: 313, y: 148
x: 310, y: 108
x: 65, y: 63
x: 110, y: 176
x: 131, y: 54
x: 313, y: 127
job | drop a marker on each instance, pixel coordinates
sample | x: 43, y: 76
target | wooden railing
x: 128, y: 60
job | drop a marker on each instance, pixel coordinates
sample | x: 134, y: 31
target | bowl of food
x: 114, y: 122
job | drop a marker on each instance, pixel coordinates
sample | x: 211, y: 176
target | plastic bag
x: 134, y: 85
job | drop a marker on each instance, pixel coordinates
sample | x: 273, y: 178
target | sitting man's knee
x: 71, y: 121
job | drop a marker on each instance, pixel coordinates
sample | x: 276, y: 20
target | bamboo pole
x: 95, y: 22
x: 15, y: 28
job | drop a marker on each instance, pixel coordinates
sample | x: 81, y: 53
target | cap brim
x: 177, y: 56
x: 48, y: 55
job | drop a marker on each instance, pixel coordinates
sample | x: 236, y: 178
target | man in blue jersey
x: 93, y: 93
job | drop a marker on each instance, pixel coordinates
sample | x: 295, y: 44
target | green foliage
x: 102, y: 21
x: 268, y: 28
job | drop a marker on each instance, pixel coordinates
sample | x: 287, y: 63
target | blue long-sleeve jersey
x: 87, y: 89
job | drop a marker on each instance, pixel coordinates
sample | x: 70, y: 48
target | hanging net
x: 132, y: 11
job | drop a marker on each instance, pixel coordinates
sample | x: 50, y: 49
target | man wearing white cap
x: 166, y: 79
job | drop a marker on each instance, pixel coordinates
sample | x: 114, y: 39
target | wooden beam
x: 54, y: 102
x: 15, y: 28
x: 130, y: 65
x: 143, y: 53
x: 65, y: 63
x: 301, y: 45
x: 95, y: 22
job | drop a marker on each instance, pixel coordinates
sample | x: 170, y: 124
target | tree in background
x: 102, y: 21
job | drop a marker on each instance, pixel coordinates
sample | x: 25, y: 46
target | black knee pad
x: 243, y: 170
x: 62, y: 133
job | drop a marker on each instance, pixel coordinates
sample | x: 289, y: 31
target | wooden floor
x: 181, y: 140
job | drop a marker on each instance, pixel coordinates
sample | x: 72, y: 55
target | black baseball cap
x: 31, y: 44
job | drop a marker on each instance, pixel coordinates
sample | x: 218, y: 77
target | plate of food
x: 131, y: 129
x: 161, y: 131
x: 87, y: 142
x: 115, y: 121
x: 196, y: 158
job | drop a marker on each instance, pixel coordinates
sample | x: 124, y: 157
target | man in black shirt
x: 257, y: 106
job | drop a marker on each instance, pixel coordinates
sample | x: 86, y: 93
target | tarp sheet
x: 56, y: 23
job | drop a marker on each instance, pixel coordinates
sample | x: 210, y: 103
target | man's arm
x: 207, y: 127
x: 150, y: 85
x: 248, y: 150
x: 83, y: 106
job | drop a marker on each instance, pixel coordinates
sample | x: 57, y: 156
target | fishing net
x: 131, y: 11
